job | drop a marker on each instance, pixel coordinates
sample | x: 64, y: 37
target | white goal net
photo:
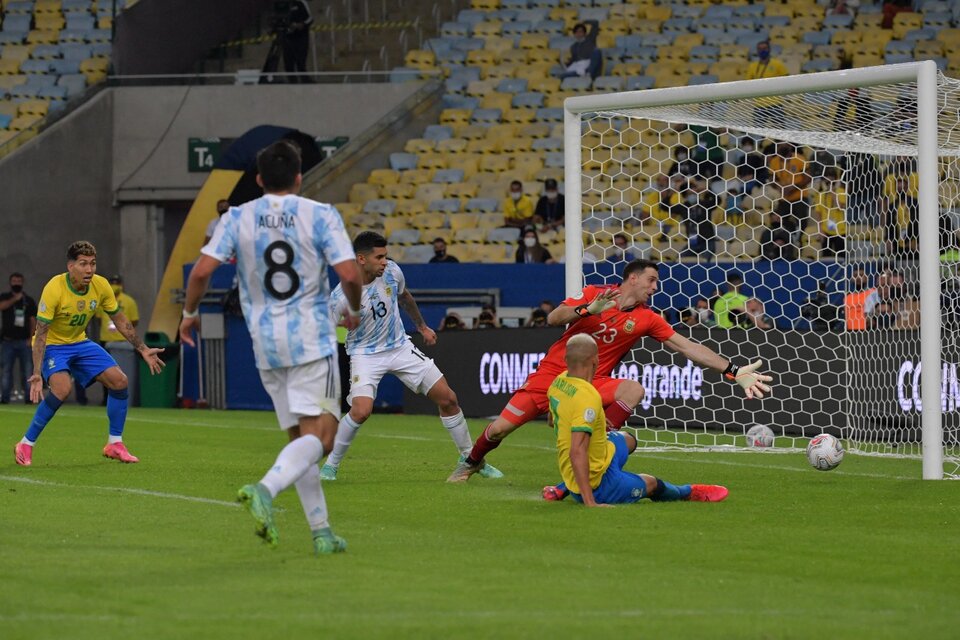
x: 789, y: 226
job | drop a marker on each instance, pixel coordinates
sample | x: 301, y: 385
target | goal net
x: 807, y: 221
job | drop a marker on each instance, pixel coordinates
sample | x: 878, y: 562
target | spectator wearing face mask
x: 621, y: 249
x: 769, y: 110
x: 19, y: 324
x: 222, y: 207
x: 698, y: 314
x: 549, y: 212
x: 517, y: 206
x: 440, y: 252
x: 538, y: 318
x: 531, y: 251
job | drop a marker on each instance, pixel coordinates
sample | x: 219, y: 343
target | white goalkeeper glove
x: 748, y: 378
x: 605, y: 300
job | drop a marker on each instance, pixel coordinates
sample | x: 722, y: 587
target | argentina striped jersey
x: 381, y: 327
x: 283, y: 245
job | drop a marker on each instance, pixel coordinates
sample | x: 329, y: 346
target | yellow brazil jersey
x: 68, y: 312
x: 108, y: 331
x: 575, y: 405
x: 771, y: 68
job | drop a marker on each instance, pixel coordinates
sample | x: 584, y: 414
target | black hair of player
x: 368, y: 241
x: 638, y: 266
x: 278, y: 166
x: 81, y: 248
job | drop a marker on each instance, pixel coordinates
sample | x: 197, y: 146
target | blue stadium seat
x: 446, y: 205
x: 400, y: 161
x: 455, y: 30
x: 532, y: 15
x: 512, y: 85
x: 518, y: 28
x: 720, y: 11
x: 608, y: 83
x: 42, y: 80
x: 513, y: 4
x: 5, y: 121
x: 550, y: 114
x: 686, y: 11
x: 101, y: 49
x: 16, y: 23
x: 448, y: 176
x: 592, y: 13
x: 769, y: 22
x: 753, y: 10
x: 637, y: 83
x: 471, y: 16
x: 53, y: 93
x: 553, y: 159
x: 707, y: 78
x: 898, y: 58
x: 404, y: 74
x: 821, y: 64
x: 838, y: 22
x: 750, y: 40
x: 35, y: 66
x: 710, y: 23
x: 816, y: 37
x: 481, y: 205
x: 12, y: 37
x: 486, y: 116
x: 575, y: 84
x: 21, y: 7
x: 744, y: 23
x: 62, y: 67
x: 528, y: 99
x: 561, y: 42
x: 76, y: 6
x: 381, y: 206
x: 74, y: 83
x: 456, y: 101
x: 704, y: 53
x: 920, y: 34
x: 548, y: 144
x: 24, y: 92
x: 81, y: 22
x: 682, y: 25
x: 898, y: 47
x: 503, y: 15
x: 468, y: 44
x: 549, y: 26
x: 437, y: 132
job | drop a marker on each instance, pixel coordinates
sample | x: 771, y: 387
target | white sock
x: 293, y: 462
x: 25, y: 441
x: 312, y: 499
x: 112, y: 439
x: 456, y: 425
x: 346, y: 432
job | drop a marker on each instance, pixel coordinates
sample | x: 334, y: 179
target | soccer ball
x: 760, y: 436
x: 825, y: 452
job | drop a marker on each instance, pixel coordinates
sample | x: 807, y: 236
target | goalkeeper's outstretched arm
x: 753, y: 383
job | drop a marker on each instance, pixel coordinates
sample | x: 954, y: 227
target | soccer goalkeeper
x: 617, y: 317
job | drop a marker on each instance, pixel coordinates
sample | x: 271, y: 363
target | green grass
x: 90, y: 548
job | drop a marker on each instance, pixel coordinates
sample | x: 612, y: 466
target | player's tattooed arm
x: 409, y: 305
x: 39, y: 345
x: 126, y: 329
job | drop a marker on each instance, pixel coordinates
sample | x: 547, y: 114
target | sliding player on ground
x: 591, y: 460
x: 283, y: 244
x: 380, y: 346
x: 617, y: 317
x: 61, y: 349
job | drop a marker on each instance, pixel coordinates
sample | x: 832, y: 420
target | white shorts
x: 304, y: 390
x: 408, y: 363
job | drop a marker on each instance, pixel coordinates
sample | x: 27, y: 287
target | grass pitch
x: 90, y: 548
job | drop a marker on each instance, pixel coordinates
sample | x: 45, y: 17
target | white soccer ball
x: 825, y: 452
x: 760, y: 436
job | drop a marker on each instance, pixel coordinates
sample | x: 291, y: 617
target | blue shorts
x: 84, y: 360
x: 618, y: 486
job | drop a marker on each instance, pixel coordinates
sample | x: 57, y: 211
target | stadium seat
x: 481, y: 205
x: 403, y: 161
x: 904, y: 22
x: 447, y: 176
x: 503, y: 234
x: 380, y: 206
x: 403, y: 236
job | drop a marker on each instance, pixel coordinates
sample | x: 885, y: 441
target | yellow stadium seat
x: 409, y: 207
x: 515, y: 56
x: 801, y: 11
x: 498, y: 45
x: 658, y: 12
x: 480, y: 88
x: 534, y: 41
x: 544, y: 56
x: 778, y: 10
x: 616, y: 25
x: 49, y: 22
x: 420, y: 59
x: 427, y: 221
x: 807, y: 23
x: 688, y: 40
x: 926, y: 49
x: 348, y: 209
x: 419, y: 145
x: 520, y: 115
x: 494, y: 163
x: 784, y: 35
x: 866, y: 60
x: 468, y: 163
x: 482, y: 58
x: 673, y: 53
x: 34, y: 108
x: 431, y: 161
x: 360, y: 192
x: 535, y: 130
x: 416, y: 176
x: 383, y: 177
x: 43, y: 37
x: 499, y: 71
x: 395, y: 223
x: 567, y: 14
x: 47, y: 6
x: 879, y: 37
x: 624, y: 11
x: 485, y: 5
x: 104, y: 22
x: 487, y: 28
x: 534, y: 70
x: 94, y: 65
x: 9, y: 66
x: 846, y: 38
x: 496, y: 100
x: 452, y: 145
x: 462, y: 190
x: 868, y: 21
x: 398, y: 191
x: 18, y: 52
x: 483, y: 147
x: 627, y: 69
x: 800, y: 49
x: 427, y: 193
x: 460, y: 221
x: 545, y: 85
x: 24, y: 122
x: 516, y: 144
x: 501, y: 131
x: 455, y: 116
x: 473, y: 132
x: 905, y: 22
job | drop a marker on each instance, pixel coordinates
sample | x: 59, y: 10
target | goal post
x: 623, y: 150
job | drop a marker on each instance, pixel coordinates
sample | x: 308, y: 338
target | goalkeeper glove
x: 753, y: 383
x: 598, y: 305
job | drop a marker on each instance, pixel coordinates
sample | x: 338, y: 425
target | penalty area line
x: 132, y: 490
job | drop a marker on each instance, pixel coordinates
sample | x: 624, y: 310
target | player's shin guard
x: 45, y: 410
x: 482, y: 447
x: 617, y: 414
x: 117, y: 411
x: 293, y: 462
x: 346, y: 432
x: 666, y: 492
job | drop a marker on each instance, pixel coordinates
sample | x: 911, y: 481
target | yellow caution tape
x: 395, y: 24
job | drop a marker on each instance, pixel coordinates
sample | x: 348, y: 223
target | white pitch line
x: 141, y: 492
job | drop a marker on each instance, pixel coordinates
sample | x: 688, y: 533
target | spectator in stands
x: 789, y: 168
x: 538, y: 318
x: 486, y: 320
x: 440, y: 251
x: 585, y: 58
x: 776, y: 241
x: 830, y: 204
x: 732, y: 300
x: 708, y: 153
x: 854, y: 302
x: 768, y: 111
x: 295, y: 25
x: 547, y: 306
x: 621, y: 249
x: 452, y: 322
x: 901, y: 208
x: 222, y: 207
x: 843, y: 8
x: 517, y: 206
x: 907, y: 310
x: 661, y: 202
x: 699, y: 203
x: 889, y: 288
x: 549, y: 213
x: 820, y: 312
x: 530, y: 251
x: 737, y: 195
x: 891, y: 8
x: 698, y: 314
x: 683, y: 164
x: 755, y: 317
x: 19, y: 324
x: 884, y: 316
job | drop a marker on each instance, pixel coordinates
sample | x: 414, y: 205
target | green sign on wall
x: 202, y: 154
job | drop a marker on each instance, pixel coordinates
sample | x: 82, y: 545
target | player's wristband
x: 730, y: 373
x: 190, y: 314
x: 583, y: 310
x: 354, y: 313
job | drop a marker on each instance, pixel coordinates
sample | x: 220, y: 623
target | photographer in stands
x: 292, y: 26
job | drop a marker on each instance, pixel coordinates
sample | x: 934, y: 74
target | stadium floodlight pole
x: 924, y: 74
